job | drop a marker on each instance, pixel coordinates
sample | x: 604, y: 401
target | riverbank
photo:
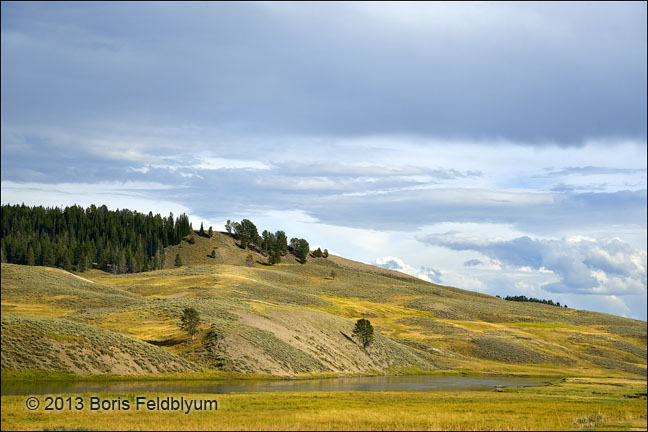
x: 571, y: 404
x: 390, y: 383
x: 40, y: 375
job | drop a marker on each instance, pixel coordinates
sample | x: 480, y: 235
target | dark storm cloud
x: 524, y: 72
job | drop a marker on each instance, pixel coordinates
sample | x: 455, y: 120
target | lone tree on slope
x: 189, y: 321
x: 364, y: 331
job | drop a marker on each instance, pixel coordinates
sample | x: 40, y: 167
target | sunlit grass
x: 569, y: 405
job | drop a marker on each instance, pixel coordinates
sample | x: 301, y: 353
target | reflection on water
x: 409, y: 383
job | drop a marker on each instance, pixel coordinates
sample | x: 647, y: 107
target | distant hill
x: 292, y: 319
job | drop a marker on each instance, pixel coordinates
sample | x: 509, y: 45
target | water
x: 408, y: 383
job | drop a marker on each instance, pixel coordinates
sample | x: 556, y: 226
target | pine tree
x: 178, y: 260
x: 48, y: 254
x: 274, y: 256
x: 300, y: 249
x: 29, y: 257
x: 364, y: 331
x: 58, y: 235
x: 248, y: 232
x: 189, y: 321
x: 282, y: 242
x: 84, y: 264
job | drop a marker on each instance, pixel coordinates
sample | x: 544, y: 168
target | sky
x: 495, y: 147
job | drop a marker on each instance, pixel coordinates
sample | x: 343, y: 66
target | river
x: 401, y: 383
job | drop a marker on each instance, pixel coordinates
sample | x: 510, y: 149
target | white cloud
x: 394, y: 263
x: 583, y: 265
x: 216, y: 163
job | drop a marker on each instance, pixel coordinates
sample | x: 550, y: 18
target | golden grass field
x: 572, y: 404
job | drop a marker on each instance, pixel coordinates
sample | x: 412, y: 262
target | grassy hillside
x: 63, y: 345
x: 293, y: 319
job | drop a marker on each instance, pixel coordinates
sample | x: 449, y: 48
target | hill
x: 293, y: 319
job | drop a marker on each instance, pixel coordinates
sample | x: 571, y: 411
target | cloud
x: 383, y: 183
x: 433, y: 114
x: 583, y: 265
x: 143, y: 197
x: 534, y: 211
x: 394, y: 263
x: 429, y: 69
x: 590, y: 170
x: 473, y: 263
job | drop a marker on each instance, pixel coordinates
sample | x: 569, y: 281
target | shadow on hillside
x: 165, y: 342
x: 348, y: 337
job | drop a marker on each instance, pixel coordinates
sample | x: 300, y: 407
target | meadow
x: 569, y: 404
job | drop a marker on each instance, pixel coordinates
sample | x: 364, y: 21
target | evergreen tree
x: 268, y: 242
x: 248, y: 231
x: 66, y: 237
x: 364, y: 331
x: 282, y: 242
x: 37, y: 253
x: 300, y: 248
x: 274, y: 256
x: 48, y: 254
x: 178, y: 260
x: 237, y: 229
x: 120, y: 263
x: 84, y: 264
x: 67, y: 260
x: 189, y: 321
x: 29, y: 259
